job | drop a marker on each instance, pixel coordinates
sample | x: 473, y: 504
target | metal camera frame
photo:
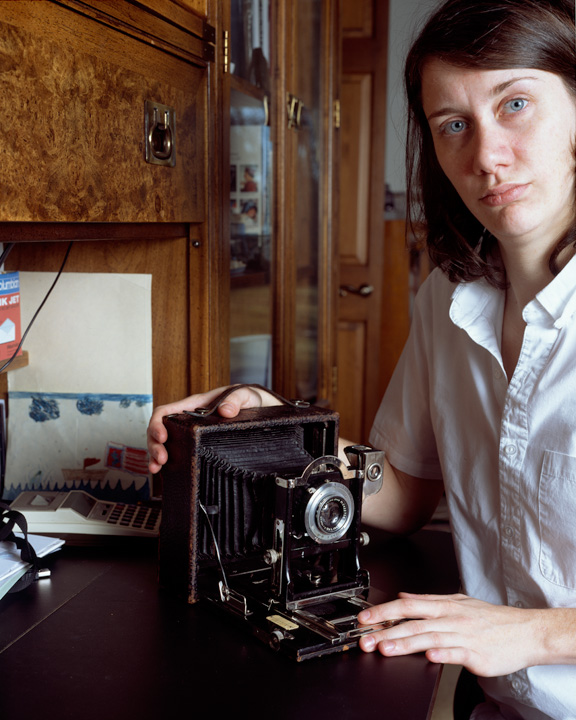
x: 314, y: 513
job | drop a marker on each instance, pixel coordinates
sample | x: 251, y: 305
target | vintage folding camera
x: 261, y: 518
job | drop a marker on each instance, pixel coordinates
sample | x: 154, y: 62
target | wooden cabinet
x: 74, y: 81
x: 75, y: 77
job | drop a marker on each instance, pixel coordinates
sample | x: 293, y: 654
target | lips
x: 503, y: 194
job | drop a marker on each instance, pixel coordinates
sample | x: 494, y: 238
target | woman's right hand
x: 244, y: 397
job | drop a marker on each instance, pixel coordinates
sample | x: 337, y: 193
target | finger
x: 381, y: 613
x: 399, y: 642
x: 400, y: 609
x: 409, y: 606
x: 243, y: 398
x: 157, y: 433
x: 157, y: 455
x: 424, y: 596
x: 452, y: 656
x: 154, y: 466
x: 399, y: 630
x: 247, y: 397
x: 434, y: 642
x: 466, y: 657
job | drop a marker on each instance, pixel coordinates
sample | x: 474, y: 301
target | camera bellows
x: 238, y: 484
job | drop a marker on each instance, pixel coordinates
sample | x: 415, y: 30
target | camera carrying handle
x: 205, y: 411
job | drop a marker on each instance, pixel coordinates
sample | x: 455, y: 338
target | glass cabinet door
x: 250, y: 195
x: 312, y: 91
x: 308, y: 93
x: 281, y: 161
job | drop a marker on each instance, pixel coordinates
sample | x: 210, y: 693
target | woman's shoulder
x: 435, y: 289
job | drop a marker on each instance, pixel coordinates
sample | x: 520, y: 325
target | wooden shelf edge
x: 18, y: 362
x: 50, y: 232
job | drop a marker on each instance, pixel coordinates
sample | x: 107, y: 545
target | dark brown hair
x: 487, y: 35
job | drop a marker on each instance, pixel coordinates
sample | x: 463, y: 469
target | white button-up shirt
x: 506, y: 452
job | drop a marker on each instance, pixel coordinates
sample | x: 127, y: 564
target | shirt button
x: 510, y: 450
x: 508, y: 531
x: 519, y: 604
x: 516, y: 685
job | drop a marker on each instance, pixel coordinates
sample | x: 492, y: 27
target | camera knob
x: 276, y: 637
x: 364, y: 539
x: 374, y: 472
x: 271, y: 557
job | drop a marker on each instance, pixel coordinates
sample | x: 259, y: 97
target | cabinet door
x: 282, y: 168
x: 251, y: 161
x: 312, y: 83
x: 73, y: 93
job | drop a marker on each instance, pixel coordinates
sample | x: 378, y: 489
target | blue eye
x: 455, y: 127
x: 516, y: 105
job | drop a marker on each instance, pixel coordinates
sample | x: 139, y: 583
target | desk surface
x: 99, y: 640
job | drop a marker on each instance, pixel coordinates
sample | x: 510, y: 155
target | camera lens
x: 329, y: 512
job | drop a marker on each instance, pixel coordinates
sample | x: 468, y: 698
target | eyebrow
x: 495, y: 91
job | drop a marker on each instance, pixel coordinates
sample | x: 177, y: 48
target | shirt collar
x: 477, y: 308
x: 558, y: 298
x: 479, y: 304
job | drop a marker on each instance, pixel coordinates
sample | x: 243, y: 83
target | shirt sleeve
x: 403, y: 426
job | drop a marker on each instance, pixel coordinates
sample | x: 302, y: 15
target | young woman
x: 483, y: 402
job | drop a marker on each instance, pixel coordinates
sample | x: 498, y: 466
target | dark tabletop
x: 100, y: 640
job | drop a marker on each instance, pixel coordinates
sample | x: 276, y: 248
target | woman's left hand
x: 487, y: 639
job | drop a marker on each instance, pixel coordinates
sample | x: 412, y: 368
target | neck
x: 528, y: 272
x: 526, y: 277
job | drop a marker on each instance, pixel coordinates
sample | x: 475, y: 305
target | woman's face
x: 506, y: 141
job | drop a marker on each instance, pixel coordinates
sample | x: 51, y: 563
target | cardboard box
x: 10, y: 327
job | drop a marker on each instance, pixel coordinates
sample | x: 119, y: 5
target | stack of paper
x: 12, y: 567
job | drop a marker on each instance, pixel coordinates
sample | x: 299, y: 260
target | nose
x: 490, y: 150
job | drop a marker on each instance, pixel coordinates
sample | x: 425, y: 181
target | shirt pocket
x: 557, y: 517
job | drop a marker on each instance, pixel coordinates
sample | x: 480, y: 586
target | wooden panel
x: 160, y: 23
x: 72, y: 95
x: 356, y: 93
x: 395, y: 297
x: 49, y: 232
x: 199, y: 6
x: 358, y: 18
x: 361, y: 231
x: 351, y: 377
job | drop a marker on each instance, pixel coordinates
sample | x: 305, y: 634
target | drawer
x: 73, y: 91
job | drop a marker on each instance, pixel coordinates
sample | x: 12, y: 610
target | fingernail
x: 388, y: 647
x: 364, y: 616
x: 368, y: 643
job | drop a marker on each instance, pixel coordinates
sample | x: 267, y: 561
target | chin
x: 514, y: 224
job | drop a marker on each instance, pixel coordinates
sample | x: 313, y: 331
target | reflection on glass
x: 250, y: 41
x: 308, y: 225
x: 250, y: 250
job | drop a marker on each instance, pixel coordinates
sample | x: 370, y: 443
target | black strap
x: 9, y: 520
